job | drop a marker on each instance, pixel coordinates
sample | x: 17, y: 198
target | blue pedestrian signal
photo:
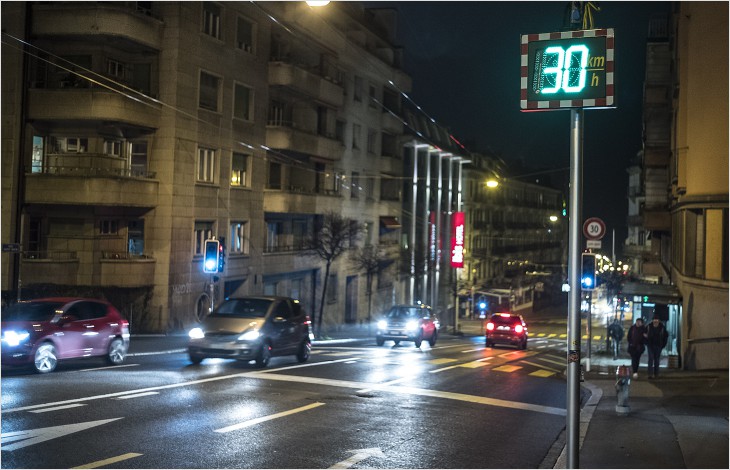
x: 588, y: 271
x: 211, y: 256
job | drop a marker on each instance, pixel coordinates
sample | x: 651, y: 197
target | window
x: 357, y: 96
x: 68, y: 144
x: 356, y: 136
x: 388, y: 145
x: 135, y: 237
x: 239, y: 238
x: 209, y: 91
x: 243, y: 102
x: 274, y: 230
x: 299, y: 233
x: 239, y: 169
x: 372, y: 140
x: 206, y: 165
x: 115, y: 69
x: 372, y: 102
x: 370, y: 187
x: 245, y: 35
x: 138, y: 159
x: 113, y: 148
x: 37, y: 156
x: 203, y: 232
x: 108, y: 227
x: 212, y: 19
x: 274, y: 175
x: 340, y: 131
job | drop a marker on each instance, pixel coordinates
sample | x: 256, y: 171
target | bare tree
x: 368, y: 259
x: 335, y: 236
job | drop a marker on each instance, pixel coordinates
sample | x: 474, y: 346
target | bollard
x: 623, y: 386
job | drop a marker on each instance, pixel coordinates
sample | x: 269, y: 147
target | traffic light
x: 588, y: 271
x: 221, y: 257
x: 211, y: 256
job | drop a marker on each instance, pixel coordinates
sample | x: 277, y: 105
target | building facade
x: 134, y: 131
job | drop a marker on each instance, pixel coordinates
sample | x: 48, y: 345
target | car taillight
x: 518, y: 328
x: 490, y: 326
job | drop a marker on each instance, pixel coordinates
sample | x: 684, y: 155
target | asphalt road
x: 456, y: 405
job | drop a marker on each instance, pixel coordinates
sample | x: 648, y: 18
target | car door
x: 281, y: 323
x: 70, y: 336
x: 99, y: 328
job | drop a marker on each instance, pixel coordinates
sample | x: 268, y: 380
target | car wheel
x: 488, y: 344
x: 117, y: 352
x: 45, y: 359
x: 262, y: 360
x: 419, y: 339
x: 434, y: 337
x: 305, y: 349
x: 524, y: 344
x: 379, y: 340
x: 195, y: 359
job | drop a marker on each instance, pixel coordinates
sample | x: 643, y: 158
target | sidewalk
x: 679, y: 420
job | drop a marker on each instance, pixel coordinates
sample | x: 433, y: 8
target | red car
x: 505, y: 328
x: 41, y: 332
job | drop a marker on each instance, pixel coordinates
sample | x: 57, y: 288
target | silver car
x: 253, y: 329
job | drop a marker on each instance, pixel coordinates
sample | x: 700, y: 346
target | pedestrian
x: 656, y: 340
x: 616, y: 333
x: 636, y: 340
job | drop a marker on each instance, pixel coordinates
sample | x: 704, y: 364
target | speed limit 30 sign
x: 594, y: 228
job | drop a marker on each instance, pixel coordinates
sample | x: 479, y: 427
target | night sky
x: 464, y: 59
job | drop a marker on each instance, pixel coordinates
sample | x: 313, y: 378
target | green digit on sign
x: 557, y: 69
x: 570, y: 85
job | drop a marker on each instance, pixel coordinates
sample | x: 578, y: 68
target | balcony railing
x: 50, y: 255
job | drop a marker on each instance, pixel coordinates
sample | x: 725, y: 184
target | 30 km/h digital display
x: 567, y: 70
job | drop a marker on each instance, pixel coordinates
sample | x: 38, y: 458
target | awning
x: 658, y: 293
x: 389, y: 222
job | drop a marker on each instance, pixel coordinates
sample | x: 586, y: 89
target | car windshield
x: 400, y: 313
x: 505, y: 320
x: 31, y: 311
x: 243, y: 308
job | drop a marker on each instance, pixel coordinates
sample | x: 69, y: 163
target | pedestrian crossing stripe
x: 542, y: 373
x: 441, y: 361
x: 507, y: 368
x: 473, y: 364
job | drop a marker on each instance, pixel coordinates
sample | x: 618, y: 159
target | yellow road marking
x: 473, y: 364
x: 101, y: 463
x: 542, y: 373
x: 507, y: 368
x: 441, y: 361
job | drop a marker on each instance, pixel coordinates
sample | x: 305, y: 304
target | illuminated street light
x: 318, y: 3
x: 553, y: 218
x: 492, y: 183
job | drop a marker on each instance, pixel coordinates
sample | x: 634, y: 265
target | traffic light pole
x: 574, y: 272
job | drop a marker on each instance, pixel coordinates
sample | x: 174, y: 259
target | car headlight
x: 250, y: 335
x: 411, y: 325
x: 196, y: 333
x: 383, y: 325
x: 13, y: 338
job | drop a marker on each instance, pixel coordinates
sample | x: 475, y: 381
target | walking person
x: 636, y: 339
x: 656, y: 340
x: 616, y: 333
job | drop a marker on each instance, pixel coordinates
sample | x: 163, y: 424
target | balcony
x: 289, y: 138
x: 392, y: 123
x: 110, y: 21
x: 305, y: 82
x: 49, y: 267
x: 291, y: 201
x: 656, y: 157
x: 70, y: 181
x: 90, y: 104
x: 125, y: 270
x: 657, y: 219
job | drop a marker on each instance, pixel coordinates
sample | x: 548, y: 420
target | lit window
x: 239, y: 167
x: 203, y: 231
x: 239, y: 237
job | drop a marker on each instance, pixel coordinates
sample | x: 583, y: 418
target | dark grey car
x: 253, y: 329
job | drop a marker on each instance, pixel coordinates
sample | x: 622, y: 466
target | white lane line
x: 415, y: 391
x: 137, y: 395
x: 165, y: 387
x: 105, y: 368
x: 56, y: 408
x: 252, y: 422
x: 111, y: 460
x: 392, y: 382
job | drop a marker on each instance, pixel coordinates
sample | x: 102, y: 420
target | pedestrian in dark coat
x: 636, y: 341
x: 656, y: 340
x: 616, y: 333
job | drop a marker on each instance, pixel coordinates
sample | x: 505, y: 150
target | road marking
x: 137, y: 395
x: 441, y: 361
x: 473, y: 364
x: 459, y: 365
x: 507, y: 368
x: 360, y: 454
x: 556, y: 362
x: 542, y: 373
x: 473, y: 350
x: 252, y: 422
x: 107, y: 367
x: 18, y: 439
x: 56, y: 408
x: 552, y: 335
x: 111, y: 460
x: 413, y: 391
x: 540, y: 366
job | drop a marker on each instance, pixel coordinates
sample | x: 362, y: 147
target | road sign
x: 567, y: 70
x: 11, y: 247
x: 594, y: 228
x: 593, y: 244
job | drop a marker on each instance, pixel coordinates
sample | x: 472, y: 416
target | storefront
x: 647, y: 300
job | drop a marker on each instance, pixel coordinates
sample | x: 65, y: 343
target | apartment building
x: 134, y: 131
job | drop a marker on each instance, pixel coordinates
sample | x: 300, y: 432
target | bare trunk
x: 322, y: 300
